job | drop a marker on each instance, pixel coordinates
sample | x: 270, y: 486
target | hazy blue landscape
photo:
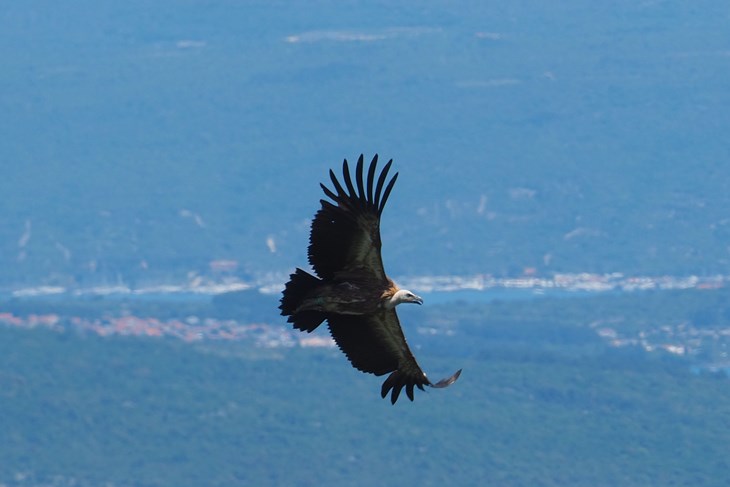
x: 142, y: 141
x: 564, y: 174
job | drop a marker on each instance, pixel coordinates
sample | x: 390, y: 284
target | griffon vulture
x: 351, y: 290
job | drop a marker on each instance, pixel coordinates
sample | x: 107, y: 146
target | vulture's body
x: 351, y: 290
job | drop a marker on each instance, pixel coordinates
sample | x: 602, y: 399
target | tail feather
x: 300, y: 284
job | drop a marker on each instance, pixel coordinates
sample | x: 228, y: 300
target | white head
x: 402, y: 296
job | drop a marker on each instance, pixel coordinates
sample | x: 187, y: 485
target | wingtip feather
x: 340, y: 190
x: 360, y: 186
x: 386, y: 194
x: 409, y: 391
x: 328, y: 192
x: 371, y: 177
x: 381, y: 182
x: 348, y: 180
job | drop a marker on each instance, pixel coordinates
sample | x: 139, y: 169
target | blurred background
x: 563, y: 171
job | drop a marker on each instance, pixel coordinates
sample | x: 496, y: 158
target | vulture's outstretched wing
x: 376, y: 344
x: 346, y: 235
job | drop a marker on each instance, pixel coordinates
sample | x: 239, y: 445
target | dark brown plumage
x: 351, y: 290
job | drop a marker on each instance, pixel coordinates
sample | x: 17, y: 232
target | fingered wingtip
x: 447, y: 381
x: 396, y: 381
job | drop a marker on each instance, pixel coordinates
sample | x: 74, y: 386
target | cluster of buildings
x: 273, y: 284
x: 682, y: 339
x: 615, y: 281
x: 190, y: 329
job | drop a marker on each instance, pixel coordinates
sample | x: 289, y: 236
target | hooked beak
x: 418, y: 300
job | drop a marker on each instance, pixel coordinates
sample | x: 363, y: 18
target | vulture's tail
x: 300, y: 284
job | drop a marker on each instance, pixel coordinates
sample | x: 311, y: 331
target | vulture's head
x: 403, y: 296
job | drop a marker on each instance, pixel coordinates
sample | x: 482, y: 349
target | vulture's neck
x: 395, y: 299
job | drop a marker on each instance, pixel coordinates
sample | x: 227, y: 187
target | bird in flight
x: 351, y: 290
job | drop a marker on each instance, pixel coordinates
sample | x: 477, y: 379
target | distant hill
x: 143, y: 141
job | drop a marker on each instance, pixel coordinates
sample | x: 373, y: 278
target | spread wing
x: 375, y: 343
x: 346, y: 232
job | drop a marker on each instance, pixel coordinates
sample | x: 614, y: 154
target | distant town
x: 190, y: 329
x: 274, y: 282
x: 679, y: 339
x: 569, y: 282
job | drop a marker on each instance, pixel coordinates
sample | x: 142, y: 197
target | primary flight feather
x: 351, y: 290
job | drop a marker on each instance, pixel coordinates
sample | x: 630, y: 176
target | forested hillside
x: 543, y: 399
